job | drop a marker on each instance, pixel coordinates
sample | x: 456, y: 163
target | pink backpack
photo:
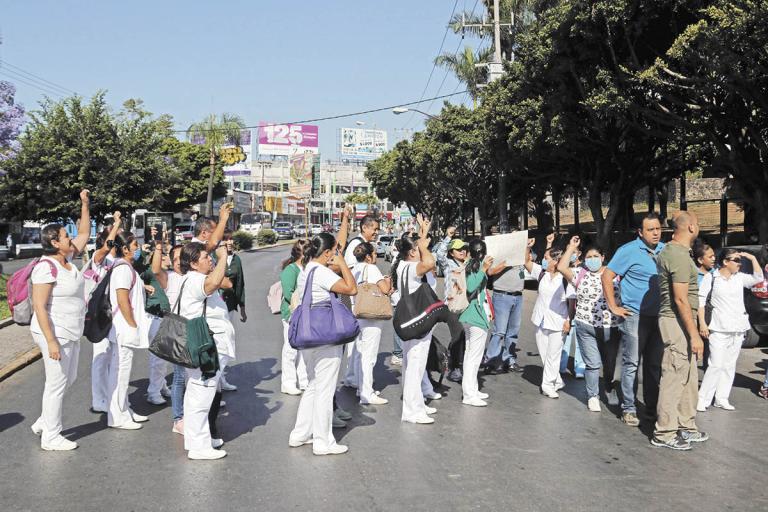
x: 19, y: 289
x: 275, y: 297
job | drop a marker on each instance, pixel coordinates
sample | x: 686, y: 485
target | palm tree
x: 464, y: 66
x: 214, y: 133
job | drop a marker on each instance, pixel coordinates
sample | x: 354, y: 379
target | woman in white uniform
x: 293, y: 371
x: 57, y: 322
x: 315, y: 415
x: 200, y: 293
x: 367, y: 344
x: 130, y: 331
x: 415, y: 261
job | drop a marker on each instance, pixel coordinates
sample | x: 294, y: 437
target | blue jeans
x: 506, y: 326
x: 398, y: 345
x: 177, y: 391
x: 578, y: 359
x: 642, y: 340
x: 599, y: 347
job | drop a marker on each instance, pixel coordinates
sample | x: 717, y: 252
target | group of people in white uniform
x: 193, y: 284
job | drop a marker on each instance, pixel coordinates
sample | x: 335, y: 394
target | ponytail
x: 318, y: 245
x: 404, y: 245
x: 297, y: 252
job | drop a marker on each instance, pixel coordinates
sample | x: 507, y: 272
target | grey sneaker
x: 694, y: 436
x: 630, y: 418
x: 455, y: 375
x: 676, y: 443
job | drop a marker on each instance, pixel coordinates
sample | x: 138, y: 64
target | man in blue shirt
x: 635, y: 263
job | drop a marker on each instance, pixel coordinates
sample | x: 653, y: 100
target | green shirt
x: 288, y: 278
x: 475, y: 313
x: 675, y: 265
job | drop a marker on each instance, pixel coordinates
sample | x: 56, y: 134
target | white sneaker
x: 376, y: 400
x: 226, y: 386
x: 482, y: 396
x: 295, y: 443
x: 222, y: 403
x: 474, y: 402
x: 433, y: 396
x: 724, y: 405
x: 178, y: 427
x: 156, y: 400
x: 549, y: 393
x: 338, y: 422
x: 60, y: 444
x: 594, y: 404
x: 342, y: 414
x: 336, y: 449
x: 290, y: 391
x: 217, y: 443
x: 700, y: 407
x: 37, y: 427
x: 128, y: 426
x: 426, y: 420
x: 430, y: 410
x: 138, y: 418
x: 560, y: 386
x: 396, y: 361
x: 210, y: 454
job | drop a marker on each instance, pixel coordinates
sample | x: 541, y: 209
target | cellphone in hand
x: 158, y: 232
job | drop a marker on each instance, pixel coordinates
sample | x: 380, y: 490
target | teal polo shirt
x: 635, y: 262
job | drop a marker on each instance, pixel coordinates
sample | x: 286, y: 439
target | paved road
x: 523, y: 451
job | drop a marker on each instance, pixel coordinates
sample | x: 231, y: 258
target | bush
x: 266, y: 237
x: 242, y: 239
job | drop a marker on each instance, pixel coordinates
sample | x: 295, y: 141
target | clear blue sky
x: 262, y: 59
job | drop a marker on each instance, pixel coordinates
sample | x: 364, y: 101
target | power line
x: 352, y: 114
x: 31, y: 76
x: 434, y: 65
x: 31, y: 84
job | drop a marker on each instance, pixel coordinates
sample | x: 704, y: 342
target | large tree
x: 11, y: 121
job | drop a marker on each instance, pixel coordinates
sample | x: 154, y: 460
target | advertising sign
x: 362, y: 143
x: 287, y: 139
x: 300, y: 183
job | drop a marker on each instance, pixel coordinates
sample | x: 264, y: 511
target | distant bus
x: 255, y: 222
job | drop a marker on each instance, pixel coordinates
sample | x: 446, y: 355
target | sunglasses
x: 735, y: 260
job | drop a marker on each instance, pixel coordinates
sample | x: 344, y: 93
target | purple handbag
x: 326, y: 323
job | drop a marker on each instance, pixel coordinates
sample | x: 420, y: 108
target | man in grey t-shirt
x: 508, y: 284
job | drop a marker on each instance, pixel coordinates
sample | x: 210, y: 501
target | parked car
x: 382, y: 243
x: 391, y: 254
x: 316, y: 229
x: 300, y: 230
x: 756, y: 298
x: 284, y: 230
x: 184, y: 231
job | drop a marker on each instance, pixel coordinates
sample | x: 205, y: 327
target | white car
x: 316, y: 229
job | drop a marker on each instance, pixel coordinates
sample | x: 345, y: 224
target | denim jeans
x: 642, y: 341
x: 579, y: 365
x: 599, y: 347
x: 508, y: 310
x: 397, y: 344
x: 177, y: 391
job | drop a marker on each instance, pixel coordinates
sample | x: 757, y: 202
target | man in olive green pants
x: 678, y: 284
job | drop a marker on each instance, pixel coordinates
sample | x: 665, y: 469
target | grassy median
x: 4, y: 311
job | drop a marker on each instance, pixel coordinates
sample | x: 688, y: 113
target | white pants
x: 224, y: 361
x: 292, y: 364
x: 550, y: 345
x: 102, y: 354
x: 233, y: 316
x: 415, y: 354
x: 473, y: 356
x: 314, y: 419
x: 59, y: 376
x: 724, y: 349
x: 351, y: 362
x: 120, y: 365
x: 198, y: 398
x: 367, y: 349
x: 158, y: 368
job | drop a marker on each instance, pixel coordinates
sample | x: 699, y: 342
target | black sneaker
x: 676, y: 443
x: 695, y: 436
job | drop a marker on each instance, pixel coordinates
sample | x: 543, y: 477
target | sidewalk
x: 17, y: 349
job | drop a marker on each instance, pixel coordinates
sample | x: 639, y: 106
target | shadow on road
x: 10, y: 419
x: 247, y: 407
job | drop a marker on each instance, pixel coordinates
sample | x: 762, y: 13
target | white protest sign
x: 509, y: 248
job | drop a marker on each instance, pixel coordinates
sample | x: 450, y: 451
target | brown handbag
x: 370, y: 302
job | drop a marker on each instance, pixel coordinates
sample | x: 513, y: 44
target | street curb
x: 278, y: 244
x: 22, y: 361
x: 6, y: 322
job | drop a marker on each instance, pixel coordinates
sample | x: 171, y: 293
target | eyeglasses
x: 735, y: 260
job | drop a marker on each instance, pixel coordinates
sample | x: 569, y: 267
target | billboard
x: 363, y: 143
x: 287, y: 139
x: 300, y: 167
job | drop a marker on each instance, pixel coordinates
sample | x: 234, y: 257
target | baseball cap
x: 457, y: 244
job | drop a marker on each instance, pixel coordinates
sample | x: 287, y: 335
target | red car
x: 327, y: 228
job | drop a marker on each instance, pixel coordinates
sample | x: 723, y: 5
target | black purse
x: 417, y: 312
x: 708, y: 304
x: 170, y: 342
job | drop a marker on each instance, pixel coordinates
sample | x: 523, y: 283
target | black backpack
x: 98, y: 315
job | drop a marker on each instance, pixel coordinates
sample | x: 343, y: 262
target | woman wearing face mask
x: 724, y: 289
x: 476, y: 322
x: 57, y: 322
x: 171, y: 281
x: 315, y: 415
x: 367, y: 344
x: 130, y: 331
x: 550, y: 316
x: 597, y: 331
